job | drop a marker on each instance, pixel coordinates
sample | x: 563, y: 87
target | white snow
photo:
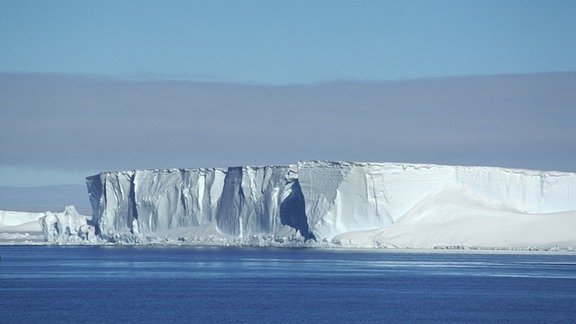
x: 20, y: 228
x: 15, y: 221
x: 326, y: 203
x: 454, y: 217
x: 427, y: 206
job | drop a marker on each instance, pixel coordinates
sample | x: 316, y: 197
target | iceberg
x: 329, y: 203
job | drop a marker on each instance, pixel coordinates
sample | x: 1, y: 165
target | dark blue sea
x: 44, y: 284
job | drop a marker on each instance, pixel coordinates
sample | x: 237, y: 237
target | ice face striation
x: 154, y: 200
x: 313, y: 199
x: 240, y: 201
x: 259, y: 200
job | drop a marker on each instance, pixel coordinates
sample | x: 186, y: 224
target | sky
x: 291, y: 41
x: 89, y: 86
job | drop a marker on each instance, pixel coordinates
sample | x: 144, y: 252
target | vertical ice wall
x: 167, y: 199
x: 154, y: 200
x: 112, y: 198
x: 241, y: 200
x: 528, y: 191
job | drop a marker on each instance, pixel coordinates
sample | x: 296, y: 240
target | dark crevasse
x: 95, y: 192
x: 251, y: 199
x: 132, y: 208
x: 293, y: 212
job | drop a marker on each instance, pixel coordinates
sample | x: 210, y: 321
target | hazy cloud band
x: 84, y: 122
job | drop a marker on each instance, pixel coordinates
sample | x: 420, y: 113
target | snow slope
x: 455, y: 217
x: 347, y: 203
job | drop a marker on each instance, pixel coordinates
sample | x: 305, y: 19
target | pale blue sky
x: 80, y: 90
x: 291, y: 41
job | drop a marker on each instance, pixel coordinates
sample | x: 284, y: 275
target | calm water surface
x: 42, y: 284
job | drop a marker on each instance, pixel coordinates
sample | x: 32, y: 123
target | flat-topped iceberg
x: 337, y: 203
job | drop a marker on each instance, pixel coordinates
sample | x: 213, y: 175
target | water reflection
x: 145, y: 262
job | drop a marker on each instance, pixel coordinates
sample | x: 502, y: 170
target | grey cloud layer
x: 83, y: 122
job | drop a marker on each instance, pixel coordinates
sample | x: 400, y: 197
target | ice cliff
x: 356, y: 204
x: 238, y: 202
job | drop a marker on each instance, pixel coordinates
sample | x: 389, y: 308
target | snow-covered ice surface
x: 20, y: 228
x: 454, y: 217
x: 435, y: 206
x: 322, y: 203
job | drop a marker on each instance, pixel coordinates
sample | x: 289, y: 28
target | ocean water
x: 44, y: 284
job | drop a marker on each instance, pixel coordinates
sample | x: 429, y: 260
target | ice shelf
x: 338, y: 203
